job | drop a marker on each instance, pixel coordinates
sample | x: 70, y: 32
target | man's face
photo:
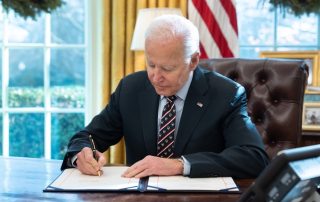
x: 166, y: 66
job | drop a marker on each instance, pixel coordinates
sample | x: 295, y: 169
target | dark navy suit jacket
x: 215, y: 133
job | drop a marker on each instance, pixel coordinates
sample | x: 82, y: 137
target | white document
x: 176, y: 183
x: 73, y: 180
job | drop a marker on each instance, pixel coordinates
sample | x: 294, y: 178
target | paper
x: 73, y: 180
x: 176, y: 183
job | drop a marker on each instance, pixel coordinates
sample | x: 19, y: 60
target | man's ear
x: 194, y: 60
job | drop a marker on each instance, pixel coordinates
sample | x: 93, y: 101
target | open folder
x: 73, y: 180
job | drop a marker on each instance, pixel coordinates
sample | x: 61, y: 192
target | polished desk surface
x: 23, y: 179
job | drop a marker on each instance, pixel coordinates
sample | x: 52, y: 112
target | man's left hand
x: 153, y: 165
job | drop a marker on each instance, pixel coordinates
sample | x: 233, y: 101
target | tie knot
x: 171, y: 98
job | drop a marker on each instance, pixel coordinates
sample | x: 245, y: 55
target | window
x: 43, y: 80
x: 262, y: 29
x: 47, y: 69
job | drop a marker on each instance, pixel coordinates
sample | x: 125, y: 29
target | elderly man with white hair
x: 176, y: 119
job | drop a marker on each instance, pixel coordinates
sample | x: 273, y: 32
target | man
x: 207, y: 130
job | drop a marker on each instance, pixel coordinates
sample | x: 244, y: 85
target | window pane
x: 68, y: 23
x: 25, y: 31
x: 67, y: 67
x: 67, y: 73
x: 1, y: 24
x: 67, y: 96
x: 255, y: 23
x: 25, y: 78
x: 63, y: 126
x: 0, y: 79
x: 26, y: 137
x: 297, y: 30
x: 1, y: 136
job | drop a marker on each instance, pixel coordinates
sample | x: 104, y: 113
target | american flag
x: 217, y: 24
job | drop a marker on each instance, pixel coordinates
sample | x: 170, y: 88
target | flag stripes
x: 217, y: 24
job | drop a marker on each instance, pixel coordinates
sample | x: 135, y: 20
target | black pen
x: 94, y: 151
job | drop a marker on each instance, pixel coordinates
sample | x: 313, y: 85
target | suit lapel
x: 148, y: 104
x: 195, y: 105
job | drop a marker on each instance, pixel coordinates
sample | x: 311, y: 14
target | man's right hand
x: 87, y: 164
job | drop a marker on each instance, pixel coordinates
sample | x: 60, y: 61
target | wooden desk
x: 23, y: 179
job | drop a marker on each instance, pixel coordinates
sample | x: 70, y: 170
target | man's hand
x: 87, y: 164
x: 152, y: 165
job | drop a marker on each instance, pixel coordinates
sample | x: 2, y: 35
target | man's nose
x: 157, y: 75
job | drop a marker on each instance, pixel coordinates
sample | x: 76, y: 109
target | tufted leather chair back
x: 275, y: 91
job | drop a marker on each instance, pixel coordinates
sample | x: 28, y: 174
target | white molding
x: 94, y: 64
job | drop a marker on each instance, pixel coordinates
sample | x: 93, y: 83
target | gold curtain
x: 118, y: 26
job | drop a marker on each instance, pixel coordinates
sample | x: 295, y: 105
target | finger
x: 101, y: 162
x: 92, y: 161
x: 87, y: 164
x: 133, y: 171
x: 82, y: 165
x: 128, y: 171
x: 139, y: 167
x: 144, y: 173
x: 101, y: 159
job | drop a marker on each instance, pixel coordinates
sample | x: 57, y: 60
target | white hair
x: 173, y: 26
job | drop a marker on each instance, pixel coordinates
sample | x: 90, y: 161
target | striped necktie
x: 167, y: 127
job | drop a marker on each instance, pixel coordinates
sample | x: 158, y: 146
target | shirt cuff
x: 186, y: 166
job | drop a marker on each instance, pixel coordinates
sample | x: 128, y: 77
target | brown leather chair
x: 275, y: 91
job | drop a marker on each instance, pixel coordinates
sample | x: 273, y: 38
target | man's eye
x: 151, y: 65
x: 168, y: 69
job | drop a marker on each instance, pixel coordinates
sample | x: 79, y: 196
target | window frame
x: 275, y: 46
x: 93, y: 76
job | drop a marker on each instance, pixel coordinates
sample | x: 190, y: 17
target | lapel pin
x: 199, y: 104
